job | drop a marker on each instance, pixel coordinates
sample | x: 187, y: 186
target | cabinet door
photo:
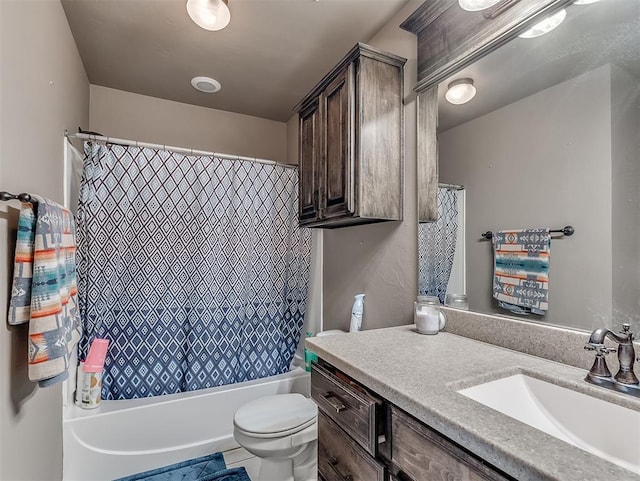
x: 310, y: 156
x: 338, y: 121
x: 421, y: 454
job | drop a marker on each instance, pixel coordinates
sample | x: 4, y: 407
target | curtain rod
x: 179, y: 150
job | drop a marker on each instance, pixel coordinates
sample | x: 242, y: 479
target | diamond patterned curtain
x: 193, y: 267
x: 437, y: 246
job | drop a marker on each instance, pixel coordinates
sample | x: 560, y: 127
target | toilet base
x: 303, y: 467
x: 272, y: 469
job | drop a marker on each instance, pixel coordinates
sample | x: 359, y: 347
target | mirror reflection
x: 551, y: 138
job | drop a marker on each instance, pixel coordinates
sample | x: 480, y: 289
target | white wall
x: 125, y: 115
x: 43, y: 91
x: 543, y: 161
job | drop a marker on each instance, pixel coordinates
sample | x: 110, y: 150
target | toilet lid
x: 273, y: 414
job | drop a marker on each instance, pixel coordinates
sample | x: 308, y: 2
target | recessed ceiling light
x: 546, y: 25
x: 476, y: 5
x: 209, y: 14
x: 206, y: 84
x: 460, y: 91
x: 585, y: 2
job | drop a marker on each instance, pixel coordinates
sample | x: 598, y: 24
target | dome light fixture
x: 206, y: 84
x: 476, y: 5
x: 209, y: 14
x: 460, y: 91
x: 545, y: 26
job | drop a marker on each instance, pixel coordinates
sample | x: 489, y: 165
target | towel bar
x: 566, y: 230
x: 23, y: 197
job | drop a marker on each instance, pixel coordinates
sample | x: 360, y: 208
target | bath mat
x: 192, y: 470
x: 234, y: 474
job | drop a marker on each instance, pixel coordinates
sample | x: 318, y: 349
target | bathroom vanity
x: 390, y: 408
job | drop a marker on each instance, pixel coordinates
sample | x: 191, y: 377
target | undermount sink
x: 599, y: 427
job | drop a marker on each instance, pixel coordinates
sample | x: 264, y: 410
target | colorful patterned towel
x: 44, y: 289
x: 521, y: 270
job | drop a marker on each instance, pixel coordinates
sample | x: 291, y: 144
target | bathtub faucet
x: 625, y: 380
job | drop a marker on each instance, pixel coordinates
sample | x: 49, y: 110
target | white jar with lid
x: 427, y: 315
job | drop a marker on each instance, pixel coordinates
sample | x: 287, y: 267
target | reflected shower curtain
x: 193, y: 267
x: 437, y: 246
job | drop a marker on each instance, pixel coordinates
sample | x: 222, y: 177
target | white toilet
x: 282, y: 431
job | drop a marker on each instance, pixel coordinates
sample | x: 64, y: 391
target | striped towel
x: 521, y: 270
x: 44, y: 288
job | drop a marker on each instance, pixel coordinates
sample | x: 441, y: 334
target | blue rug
x: 234, y: 474
x: 206, y: 468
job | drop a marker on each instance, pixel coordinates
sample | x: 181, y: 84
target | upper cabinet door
x: 310, y: 162
x: 338, y: 105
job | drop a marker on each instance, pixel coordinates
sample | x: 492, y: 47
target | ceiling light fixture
x: 206, y: 84
x: 584, y: 2
x: 476, y: 5
x: 209, y: 14
x: 460, y: 91
x: 546, y: 25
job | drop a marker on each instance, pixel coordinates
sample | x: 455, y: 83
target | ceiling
x: 271, y: 54
x: 591, y: 36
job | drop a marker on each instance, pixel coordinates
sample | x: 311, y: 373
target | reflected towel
x: 44, y: 288
x: 521, y: 270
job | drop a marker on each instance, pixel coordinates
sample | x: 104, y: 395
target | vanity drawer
x: 340, y: 459
x: 421, y: 454
x: 348, y: 404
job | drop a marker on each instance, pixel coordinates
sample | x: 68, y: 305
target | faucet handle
x: 626, y: 327
x: 601, y: 349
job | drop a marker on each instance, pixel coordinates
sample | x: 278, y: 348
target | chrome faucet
x: 625, y: 379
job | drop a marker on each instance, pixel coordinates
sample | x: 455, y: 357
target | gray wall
x: 380, y: 260
x: 625, y: 157
x: 116, y: 113
x: 43, y: 91
x: 543, y: 161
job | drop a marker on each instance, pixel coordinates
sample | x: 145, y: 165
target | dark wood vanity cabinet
x: 350, y: 142
x: 420, y: 454
x: 362, y: 437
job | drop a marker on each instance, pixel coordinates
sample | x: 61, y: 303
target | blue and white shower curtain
x: 193, y: 267
x: 437, y: 246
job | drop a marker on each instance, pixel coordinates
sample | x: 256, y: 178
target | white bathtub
x: 126, y: 437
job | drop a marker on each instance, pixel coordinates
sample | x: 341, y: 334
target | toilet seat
x: 275, y: 416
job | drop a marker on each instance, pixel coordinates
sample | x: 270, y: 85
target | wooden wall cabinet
x: 450, y: 38
x: 362, y: 437
x: 350, y: 142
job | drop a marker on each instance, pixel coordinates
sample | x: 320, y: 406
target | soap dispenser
x: 357, y: 313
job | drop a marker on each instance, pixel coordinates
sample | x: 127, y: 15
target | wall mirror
x: 551, y: 138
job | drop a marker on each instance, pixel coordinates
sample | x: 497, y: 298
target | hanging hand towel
x: 521, y: 270
x: 44, y: 288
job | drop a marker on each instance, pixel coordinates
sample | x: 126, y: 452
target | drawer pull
x: 333, y: 462
x: 334, y: 402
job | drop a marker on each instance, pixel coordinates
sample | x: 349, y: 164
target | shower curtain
x: 193, y: 267
x: 437, y: 246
